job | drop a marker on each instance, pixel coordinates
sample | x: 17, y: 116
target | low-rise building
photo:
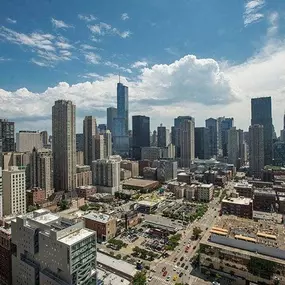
x: 35, y: 196
x: 104, y: 225
x: 241, y: 207
x: 191, y: 192
x: 132, y: 166
x: 184, y: 177
x: 85, y: 191
x: 125, y: 174
x: 150, y: 173
x: 140, y: 184
x: 244, y: 189
x: 131, y: 219
x: 179, y: 193
x: 142, y: 165
x: 166, y: 169
x: 244, y: 251
x: 264, y: 199
x: 83, y: 175
x: 205, y: 192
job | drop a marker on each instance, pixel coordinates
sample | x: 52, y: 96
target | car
x: 164, y: 273
x: 168, y: 278
x: 150, y: 278
x: 174, y: 268
x: 178, y: 263
x: 194, y: 247
x: 186, y: 267
x: 175, y: 259
x: 182, y: 265
x: 181, y: 274
x: 181, y: 258
x: 163, y: 269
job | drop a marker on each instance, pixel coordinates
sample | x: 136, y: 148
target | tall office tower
x: 187, y: 141
x: 79, y: 142
x: 279, y: 153
x: 102, y: 128
x: 162, y: 139
x: 41, y: 170
x: 1, y: 154
x: 7, y: 134
x: 107, y: 144
x: 233, y: 146
x: 242, y: 156
x: 153, y: 138
x: 177, y: 124
x: 89, y: 131
x: 52, y: 250
x: 98, y: 147
x: 14, y: 191
x: 64, y: 145
x: 140, y: 135
x: 27, y: 140
x: 202, y: 143
x: 172, y: 135
x: 224, y: 124
x: 256, y: 150
x: 111, y: 115
x: 121, y: 133
x: 1, y: 194
x: 44, y: 137
x: 212, y: 125
x: 106, y: 175
x: 261, y: 114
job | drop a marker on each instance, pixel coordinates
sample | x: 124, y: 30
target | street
x: 178, y: 261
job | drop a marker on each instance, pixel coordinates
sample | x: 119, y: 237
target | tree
x: 63, y: 205
x: 140, y: 278
x: 32, y: 208
x: 84, y: 207
x: 196, y: 233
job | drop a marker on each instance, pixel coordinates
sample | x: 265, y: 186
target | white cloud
x: 252, y: 11
x: 125, y: 17
x: 39, y: 63
x: 4, y: 58
x: 58, y: 24
x: 102, y: 29
x: 92, y: 57
x: 88, y: 47
x: 93, y: 75
x: 139, y: 64
x: 273, y: 24
x: 116, y: 66
x: 87, y: 18
x: 11, y: 21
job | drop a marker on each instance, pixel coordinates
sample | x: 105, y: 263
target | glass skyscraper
x: 261, y: 114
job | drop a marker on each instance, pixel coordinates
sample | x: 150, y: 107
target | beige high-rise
x: 89, y: 131
x: 64, y: 145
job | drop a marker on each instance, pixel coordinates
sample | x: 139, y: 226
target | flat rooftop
x: 205, y: 185
x: 110, y: 278
x: 46, y: 218
x: 139, y: 182
x: 77, y: 236
x: 243, y: 184
x: 160, y: 221
x: 261, y: 232
x: 238, y: 201
x: 116, y: 265
x: 98, y: 217
x: 147, y: 203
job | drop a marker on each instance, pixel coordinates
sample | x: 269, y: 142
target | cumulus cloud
x: 252, y: 11
x: 124, y: 16
x: 58, y: 24
x: 139, y: 64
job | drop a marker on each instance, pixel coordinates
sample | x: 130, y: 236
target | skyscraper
x: 107, y: 144
x: 89, y: 131
x: 141, y: 136
x: 233, y: 146
x: 261, y: 114
x: 212, y: 125
x: 256, y: 150
x: 121, y: 137
x: 1, y: 193
x: 64, y: 145
x: 27, y: 140
x: 44, y: 137
x: 7, y: 134
x: 224, y: 124
x: 162, y: 136
x: 111, y: 115
x: 98, y: 146
x: 187, y: 141
x: 202, y: 145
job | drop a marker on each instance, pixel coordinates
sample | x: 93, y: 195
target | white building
x: 1, y: 194
x: 52, y: 250
x: 14, y: 191
x: 205, y: 192
x: 106, y: 175
x: 27, y: 140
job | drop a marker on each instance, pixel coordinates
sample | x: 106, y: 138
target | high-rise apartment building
x: 202, y: 143
x: 187, y: 141
x: 141, y: 138
x: 111, y: 115
x: 14, y: 191
x: 41, y: 170
x: 176, y: 133
x: 243, y: 149
x: 1, y: 194
x: 44, y: 138
x: 106, y: 175
x: 7, y: 135
x: 79, y: 142
x: 107, y: 144
x: 261, y: 114
x: 89, y: 131
x: 52, y: 250
x: 64, y: 145
x: 98, y: 147
x: 212, y: 125
x: 27, y: 140
x: 233, y: 146
x: 121, y: 132
x: 224, y: 124
x: 153, y: 138
x: 256, y: 150
x: 162, y: 136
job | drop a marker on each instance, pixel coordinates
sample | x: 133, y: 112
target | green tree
x: 63, y: 205
x: 32, y: 208
x: 196, y: 233
x: 140, y: 278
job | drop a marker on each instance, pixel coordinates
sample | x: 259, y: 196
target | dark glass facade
x: 202, y: 146
x: 212, y: 125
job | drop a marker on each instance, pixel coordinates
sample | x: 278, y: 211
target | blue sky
x: 184, y: 57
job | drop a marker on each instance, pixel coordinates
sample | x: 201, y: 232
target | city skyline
x: 78, y: 56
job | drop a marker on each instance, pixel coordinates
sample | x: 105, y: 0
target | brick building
x: 5, y: 257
